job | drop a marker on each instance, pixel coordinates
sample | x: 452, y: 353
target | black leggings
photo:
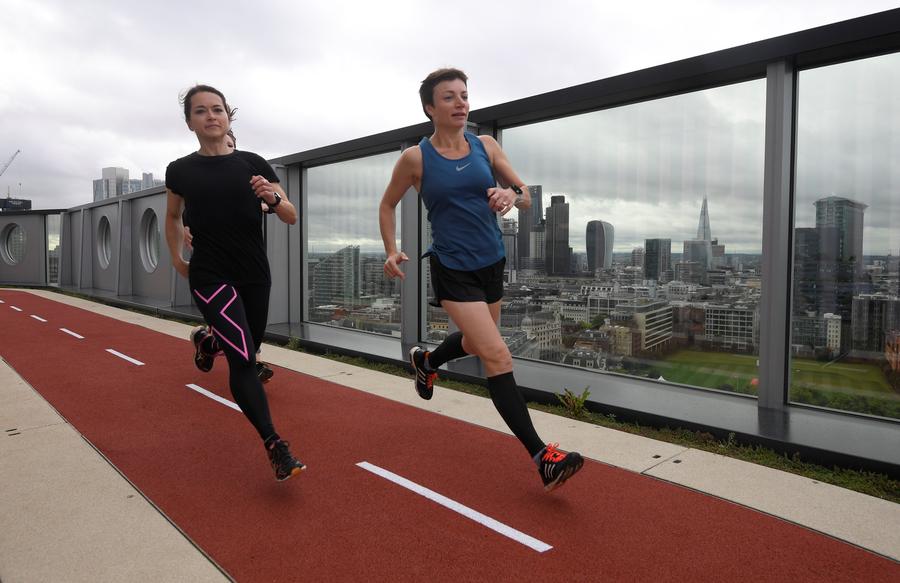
x: 237, y: 317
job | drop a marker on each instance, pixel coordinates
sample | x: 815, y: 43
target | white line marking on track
x: 70, y: 333
x: 478, y: 517
x: 2, y: 302
x: 38, y: 318
x: 124, y: 357
x: 213, y: 396
x: 15, y: 308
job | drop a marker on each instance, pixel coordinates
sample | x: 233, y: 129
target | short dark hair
x: 186, y: 100
x: 426, y: 89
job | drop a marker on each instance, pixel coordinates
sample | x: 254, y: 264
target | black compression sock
x: 450, y: 349
x: 511, y: 405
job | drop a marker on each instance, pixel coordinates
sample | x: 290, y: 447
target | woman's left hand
x: 264, y: 189
x: 501, y: 200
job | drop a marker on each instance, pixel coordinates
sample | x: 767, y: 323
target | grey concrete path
x: 67, y: 515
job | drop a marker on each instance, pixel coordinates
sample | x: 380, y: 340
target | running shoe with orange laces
x: 557, y: 466
x: 285, y: 465
x: 424, y: 375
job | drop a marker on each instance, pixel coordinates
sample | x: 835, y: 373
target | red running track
x: 202, y: 464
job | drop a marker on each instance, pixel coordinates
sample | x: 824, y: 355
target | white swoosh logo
x: 461, y: 168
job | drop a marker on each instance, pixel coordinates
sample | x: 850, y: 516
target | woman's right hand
x: 181, y: 266
x: 392, y: 265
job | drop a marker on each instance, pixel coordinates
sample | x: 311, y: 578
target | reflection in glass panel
x: 845, y: 327
x: 347, y: 286
x: 641, y: 252
x: 53, y: 249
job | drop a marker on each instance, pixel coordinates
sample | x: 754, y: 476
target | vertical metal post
x: 303, y: 206
x: 296, y: 247
x: 775, y: 301
x: 412, y: 294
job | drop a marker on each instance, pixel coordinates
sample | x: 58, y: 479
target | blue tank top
x: 464, y: 230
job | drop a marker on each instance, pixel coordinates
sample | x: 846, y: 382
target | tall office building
x: 508, y: 229
x: 704, y: 250
x: 336, y: 278
x: 657, y: 259
x: 698, y: 251
x: 147, y: 181
x: 537, y: 203
x: 115, y: 182
x: 704, y: 233
x: 558, y: 255
x: 637, y: 257
x: 839, y: 222
x: 874, y: 317
x: 599, y: 243
x: 112, y: 182
x: 528, y: 220
x: 806, y: 271
x: 846, y: 216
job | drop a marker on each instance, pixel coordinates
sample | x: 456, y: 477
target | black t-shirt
x: 224, y: 215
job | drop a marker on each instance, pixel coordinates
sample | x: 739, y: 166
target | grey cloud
x: 95, y: 83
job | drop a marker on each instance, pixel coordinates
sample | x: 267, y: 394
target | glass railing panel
x: 641, y: 252
x: 347, y: 287
x: 53, y: 249
x: 845, y: 325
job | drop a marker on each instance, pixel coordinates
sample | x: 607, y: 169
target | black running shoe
x: 205, y: 348
x: 424, y: 376
x: 558, y: 466
x: 285, y: 465
x: 264, y: 372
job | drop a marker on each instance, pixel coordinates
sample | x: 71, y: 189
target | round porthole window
x: 104, y: 245
x: 149, y: 243
x: 12, y: 244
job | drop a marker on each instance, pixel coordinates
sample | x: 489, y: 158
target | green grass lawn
x: 714, y: 369
x: 709, y: 369
x: 863, y: 378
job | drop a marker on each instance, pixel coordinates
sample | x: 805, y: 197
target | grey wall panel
x: 31, y: 267
x: 104, y: 254
x: 83, y: 271
x: 147, y: 280
x: 125, y: 264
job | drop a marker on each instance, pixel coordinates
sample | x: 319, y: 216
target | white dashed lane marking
x: 15, y: 308
x: 213, y: 396
x: 38, y: 318
x: 70, y: 333
x: 124, y: 357
x: 484, y: 520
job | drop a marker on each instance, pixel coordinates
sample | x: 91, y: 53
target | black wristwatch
x: 520, y: 196
x: 272, y: 205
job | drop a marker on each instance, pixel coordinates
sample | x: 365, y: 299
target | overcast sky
x: 90, y: 84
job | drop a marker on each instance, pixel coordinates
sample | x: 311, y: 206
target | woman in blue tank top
x: 453, y: 171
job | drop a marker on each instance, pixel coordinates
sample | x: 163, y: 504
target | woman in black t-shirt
x: 220, y: 190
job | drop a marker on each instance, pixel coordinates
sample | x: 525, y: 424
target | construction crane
x: 10, y: 161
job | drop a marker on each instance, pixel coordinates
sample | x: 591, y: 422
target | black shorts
x: 480, y: 285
